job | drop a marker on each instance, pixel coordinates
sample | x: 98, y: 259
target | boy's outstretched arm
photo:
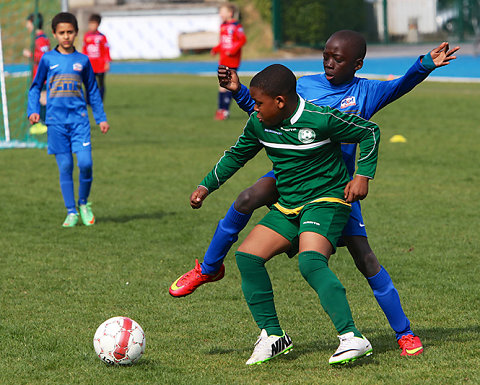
x: 246, y: 147
x: 382, y: 93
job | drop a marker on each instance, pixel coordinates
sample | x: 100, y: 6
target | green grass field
x: 58, y: 285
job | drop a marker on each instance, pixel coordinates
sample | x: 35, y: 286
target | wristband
x: 428, y: 63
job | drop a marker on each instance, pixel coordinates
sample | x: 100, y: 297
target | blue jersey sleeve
x: 36, y: 87
x: 244, y: 100
x: 381, y: 93
x: 93, y: 93
x: 302, y: 90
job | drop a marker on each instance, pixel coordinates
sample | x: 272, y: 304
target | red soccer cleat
x: 410, y: 345
x: 221, y: 115
x: 188, y: 282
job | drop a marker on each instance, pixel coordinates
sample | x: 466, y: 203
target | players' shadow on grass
x: 218, y: 350
x: 135, y: 217
x: 382, y: 342
x: 297, y: 351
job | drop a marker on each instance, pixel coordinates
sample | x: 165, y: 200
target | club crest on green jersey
x: 306, y: 135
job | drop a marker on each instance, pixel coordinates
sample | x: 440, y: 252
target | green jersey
x: 305, y: 152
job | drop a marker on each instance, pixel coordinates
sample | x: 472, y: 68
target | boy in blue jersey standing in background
x: 337, y: 87
x: 65, y: 70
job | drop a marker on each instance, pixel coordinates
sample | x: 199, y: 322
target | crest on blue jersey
x: 348, y: 102
x: 77, y: 67
x: 306, y: 135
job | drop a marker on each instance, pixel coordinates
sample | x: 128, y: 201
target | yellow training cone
x: 398, y: 139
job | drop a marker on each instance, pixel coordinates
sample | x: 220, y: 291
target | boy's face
x: 269, y: 110
x: 225, y: 14
x: 92, y: 26
x: 29, y: 26
x: 65, y: 34
x: 340, y: 61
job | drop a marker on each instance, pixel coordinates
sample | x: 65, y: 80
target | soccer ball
x: 119, y: 341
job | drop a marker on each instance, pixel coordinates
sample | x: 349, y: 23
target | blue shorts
x: 354, y: 226
x: 269, y: 174
x: 68, y: 138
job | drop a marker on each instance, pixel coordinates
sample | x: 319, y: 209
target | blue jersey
x: 65, y: 74
x: 360, y: 96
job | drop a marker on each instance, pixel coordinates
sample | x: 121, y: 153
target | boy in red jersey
x: 232, y: 38
x: 42, y: 45
x: 95, y: 46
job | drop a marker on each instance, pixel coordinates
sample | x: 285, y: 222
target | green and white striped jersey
x: 305, y: 152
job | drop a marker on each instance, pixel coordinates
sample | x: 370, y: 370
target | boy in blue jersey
x: 65, y: 70
x: 339, y: 88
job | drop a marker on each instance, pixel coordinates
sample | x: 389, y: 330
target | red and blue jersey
x: 232, y: 38
x: 95, y: 46
x: 42, y: 45
x: 65, y: 74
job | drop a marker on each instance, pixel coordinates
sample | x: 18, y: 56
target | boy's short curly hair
x: 276, y: 80
x: 64, y: 17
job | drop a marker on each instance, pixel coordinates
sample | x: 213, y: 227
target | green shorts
x: 325, y: 218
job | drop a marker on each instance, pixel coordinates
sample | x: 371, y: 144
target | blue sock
x: 65, y: 168
x: 227, y: 98
x: 220, y: 100
x: 225, y: 236
x: 389, y: 300
x: 84, y: 161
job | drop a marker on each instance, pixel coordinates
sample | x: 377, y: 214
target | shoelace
x: 258, y: 340
x: 195, y: 271
x: 345, y: 342
x: 406, y: 339
x: 259, y: 344
x: 343, y: 339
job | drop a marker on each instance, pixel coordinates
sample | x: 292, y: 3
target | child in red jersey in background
x: 95, y: 46
x: 232, y: 38
x: 42, y: 45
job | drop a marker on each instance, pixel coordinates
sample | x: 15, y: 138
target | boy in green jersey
x: 303, y: 142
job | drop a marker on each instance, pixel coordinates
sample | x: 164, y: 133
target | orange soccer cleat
x: 221, y: 115
x: 410, y: 345
x: 188, y: 282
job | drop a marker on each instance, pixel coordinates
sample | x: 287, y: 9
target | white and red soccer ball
x: 119, y: 341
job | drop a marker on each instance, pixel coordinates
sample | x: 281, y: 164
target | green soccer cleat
x: 71, y: 220
x: 86, y: 213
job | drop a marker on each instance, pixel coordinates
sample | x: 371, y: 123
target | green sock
x: 258, y: 292
x: 315, y: 270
